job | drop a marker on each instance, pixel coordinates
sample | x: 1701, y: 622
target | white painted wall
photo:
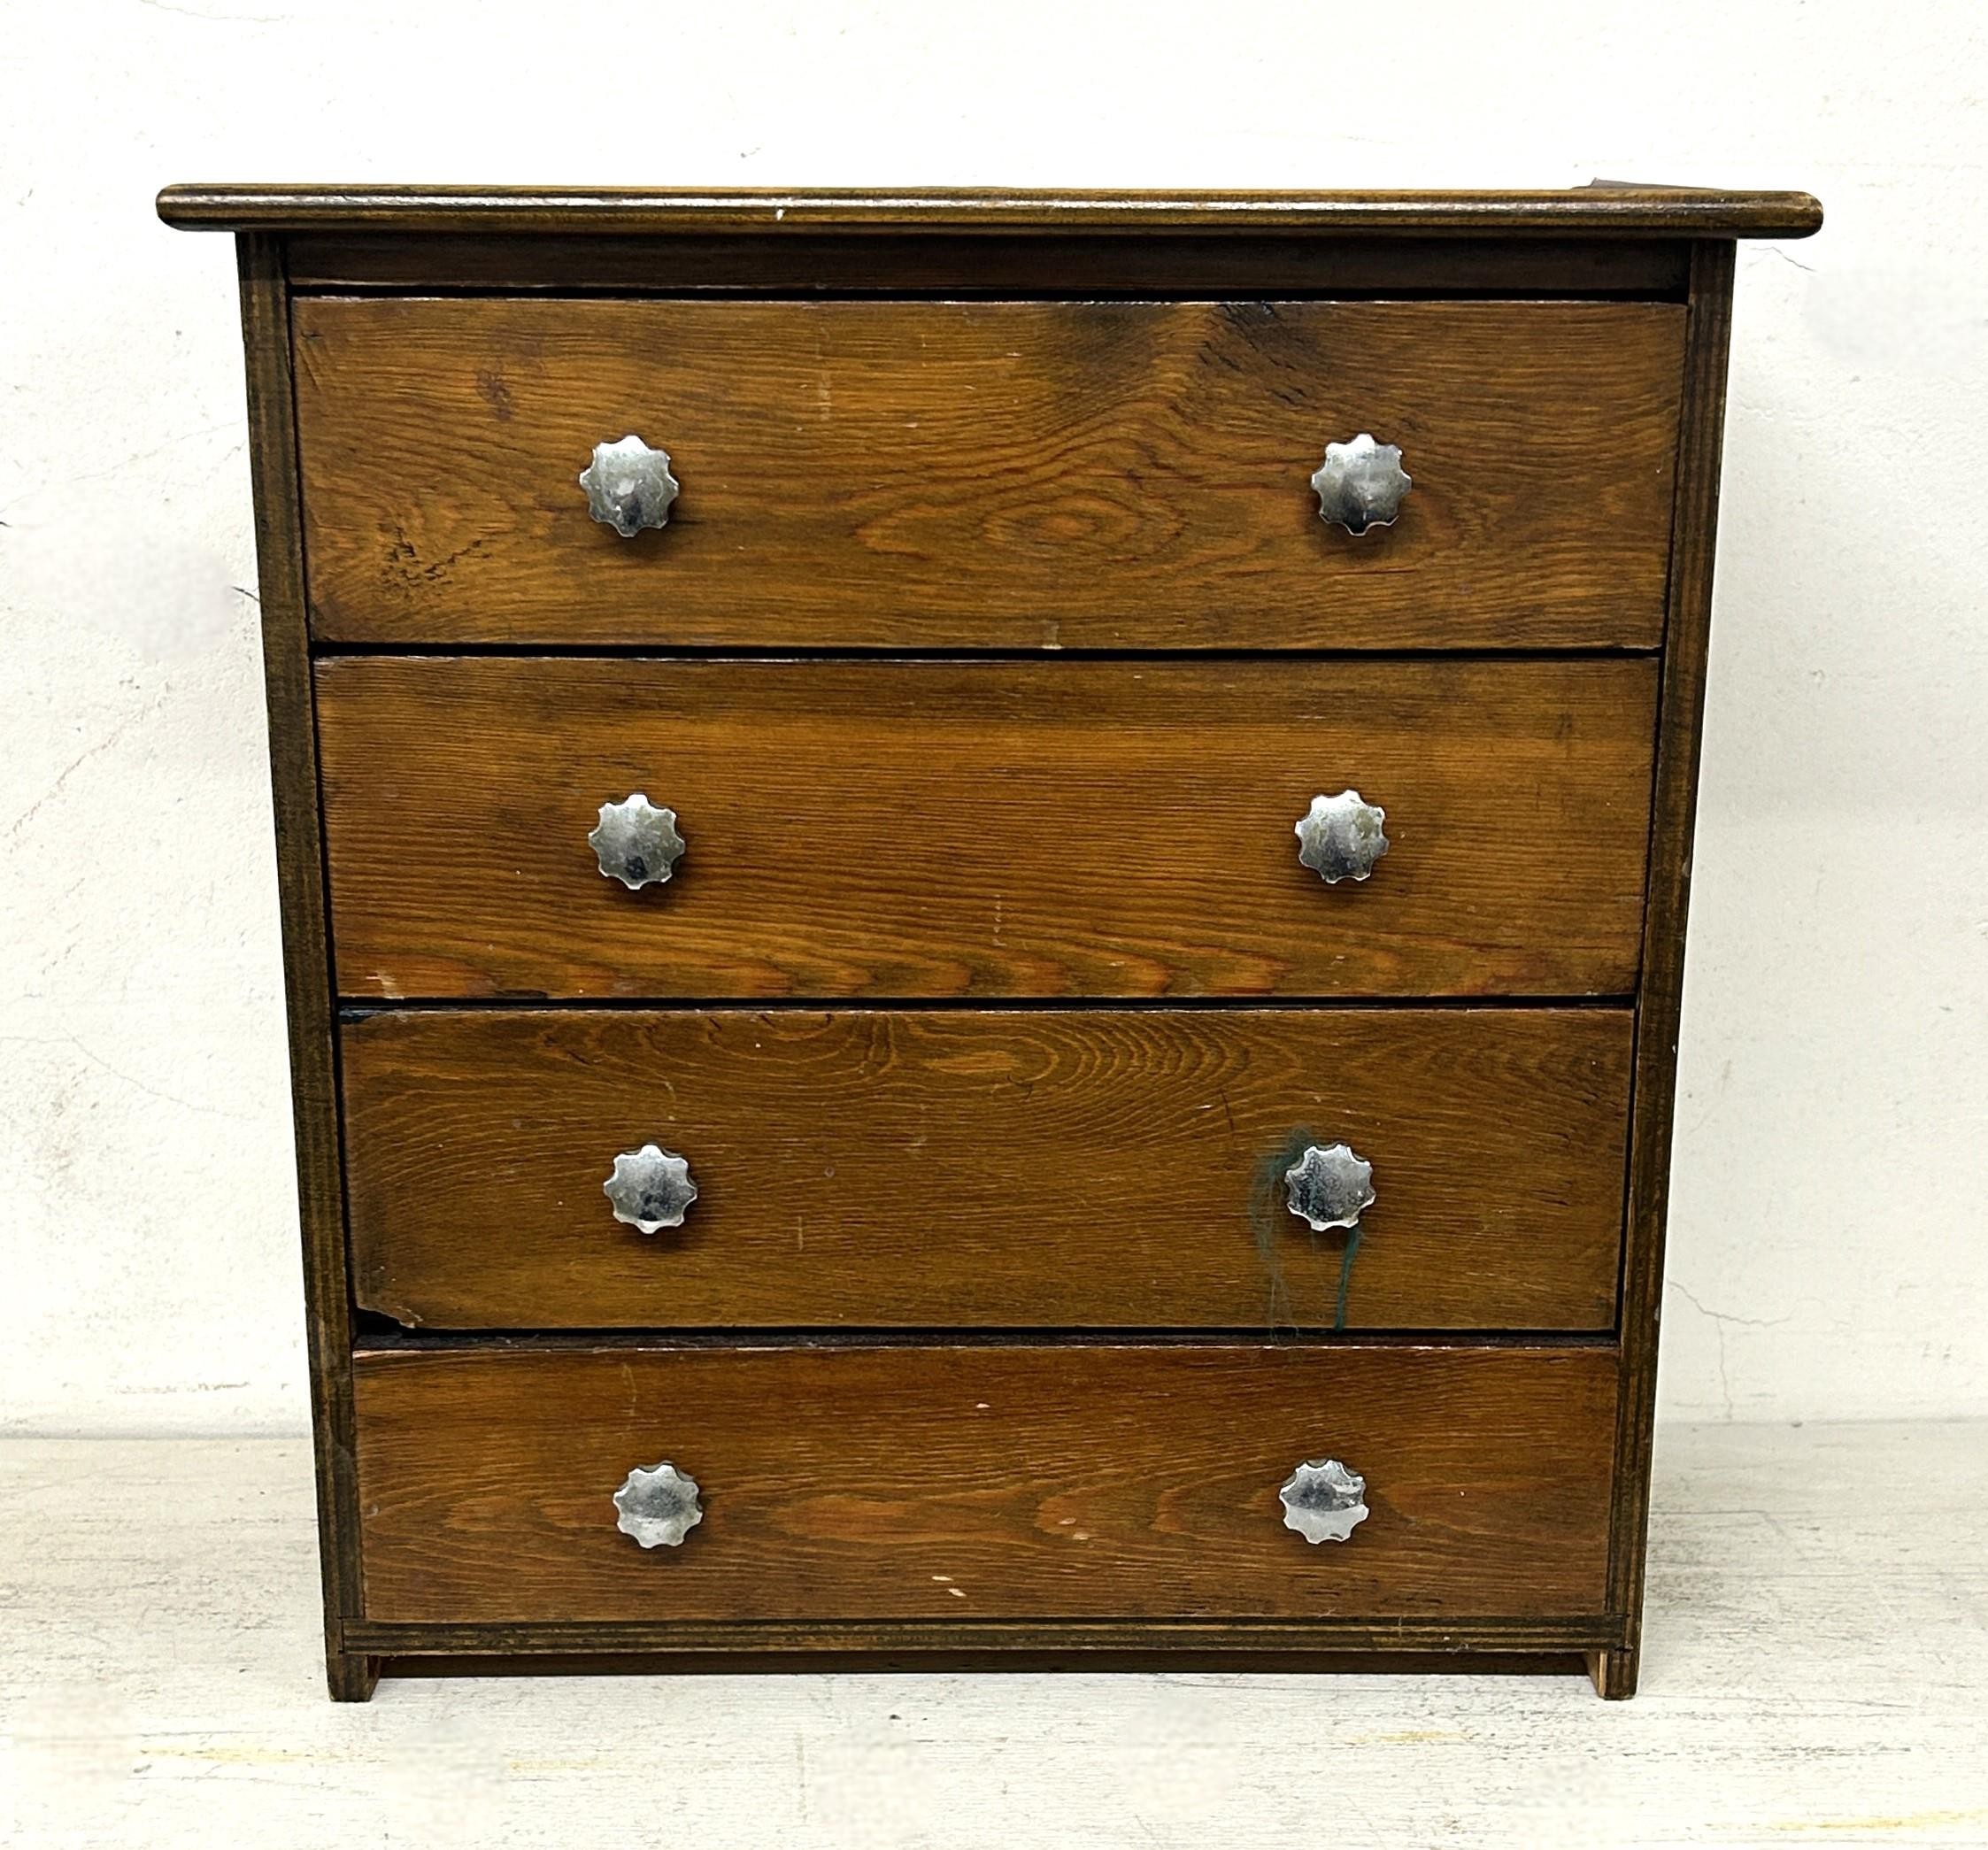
x: 1829, y: 1255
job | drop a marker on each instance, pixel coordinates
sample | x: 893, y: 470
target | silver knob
x: 1339, y: 838
x: 629, y: 486
x: 1361, y: 484
x: 1329, y: 1186
x: 636, y: 843
x: 1324, y: 1502
x: 651, y: 1189
x: 658, y: 1508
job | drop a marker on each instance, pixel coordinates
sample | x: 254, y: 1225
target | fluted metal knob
x: 651, y: 1189
x: 636, y: 843
x: 1329, y: 1186
x: 629, y: 486
x: 1324, y: 1502
x: 659, y: 1506
x: 1361, y: 484
x: 1339, y: 838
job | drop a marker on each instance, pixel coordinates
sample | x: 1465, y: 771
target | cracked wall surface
x: 1837, y: 1001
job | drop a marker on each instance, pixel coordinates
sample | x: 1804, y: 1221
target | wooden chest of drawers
x: 864, y: 1086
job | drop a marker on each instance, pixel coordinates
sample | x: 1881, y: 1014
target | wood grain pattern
x: 1612, y: 209
x: 1020, y: 475
x: 956, y: 1168
x: 989, y: 1482
x: 1118, y: 465
x: 984, y: 829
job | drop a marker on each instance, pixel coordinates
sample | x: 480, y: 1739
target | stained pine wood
x: 1006, y: 1167
x: 1017, y: 474
x: 984, y: 829
x: 1610, y: 210
x: 835, y: 863
x: 983, y: 1482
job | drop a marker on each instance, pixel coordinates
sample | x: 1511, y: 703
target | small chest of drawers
x: 984, y: 903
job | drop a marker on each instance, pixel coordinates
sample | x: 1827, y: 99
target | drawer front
x: 983, y: 1481
x: 962, y: 1166
x: 984, y: 829
x: 1013, y: 474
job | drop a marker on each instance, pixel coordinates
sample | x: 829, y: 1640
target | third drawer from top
x: 1104, y: 1169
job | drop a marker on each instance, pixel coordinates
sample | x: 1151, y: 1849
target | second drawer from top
x: 906, y: 830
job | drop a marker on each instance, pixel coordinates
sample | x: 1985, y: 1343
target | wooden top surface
x: 1597, y: 211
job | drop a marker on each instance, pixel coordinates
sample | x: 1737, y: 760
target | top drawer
x: 989, y: 475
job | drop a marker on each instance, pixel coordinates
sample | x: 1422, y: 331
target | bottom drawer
x: 983, y: 1480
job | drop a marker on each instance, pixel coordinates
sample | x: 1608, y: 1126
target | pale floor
x: 1816, y: 1672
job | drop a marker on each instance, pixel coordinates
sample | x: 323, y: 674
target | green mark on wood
x: 1272, y: 1223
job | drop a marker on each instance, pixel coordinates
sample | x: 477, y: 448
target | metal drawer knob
x: 651, y: 1189
x: 1324, y: 1502
x: 1339, y: 838
x: 658, y: 1507
x: 637, y: 842
x: 629, y: 486
x: 1329, y: 1186
x: 1361, y: 484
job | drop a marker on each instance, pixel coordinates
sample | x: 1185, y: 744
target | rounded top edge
x: 1594, y: 211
